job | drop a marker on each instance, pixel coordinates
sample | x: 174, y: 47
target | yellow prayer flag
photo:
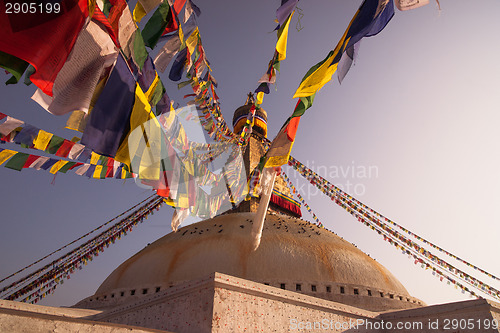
x: 92, y: 5
x: 42, y: 140
x: 181, y: 34
x: 192, y: 41
x: 314, y: 82
x: 260, y: 97
x: 57, y: 166
x: 97, y: 171
x: 282, y: 39
x: 94, y: 158
x: 141, y: 112
x: 323, y: 74
x: 139, y: 12
x: 6, y: 154
x: 152, y: 87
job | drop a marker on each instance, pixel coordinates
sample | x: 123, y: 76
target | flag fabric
x: 178, y: 65
x: 369, y: 20
x: 65, y: 148
x: 410, y: 4
x: 143, y: 7
x: 42, y: 140
x: 37, y: 164
x: 141, y: 113
x: 44, y: 39
x: 54, y: 144
x: 109, y: 120
x: 74, y: 86
x: 286, y: 8
x: 5, y: 154
x: 155, y: 27
x: 282, y: 38
x: 14, y: 66
x: 9, y: 125
x: 27, y: 135
x: 190, y: 9
x: 17, y: 161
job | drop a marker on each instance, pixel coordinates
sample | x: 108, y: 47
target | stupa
x: 207, y: 278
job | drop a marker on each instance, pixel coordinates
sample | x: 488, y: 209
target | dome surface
x: 292, y: 251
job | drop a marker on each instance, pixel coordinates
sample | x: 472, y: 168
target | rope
x: 76, y: 240
x: 362, y: 212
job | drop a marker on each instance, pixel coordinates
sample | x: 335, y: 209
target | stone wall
x: 183, y: 308
x: 467, y: 316
x: 18, y: 317
x: 223, y: 303
x: 244, y: 306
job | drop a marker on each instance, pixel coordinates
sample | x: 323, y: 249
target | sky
x: 412, y: 132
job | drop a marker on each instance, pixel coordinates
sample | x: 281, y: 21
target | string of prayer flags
x: 370, y: 19
x: 308, y: 208
x: 32, y: 287
x: 76, y: 240
x: 376, y: 222
x: 330, y: 189
x: 18, y: 160
x: 45, y: 40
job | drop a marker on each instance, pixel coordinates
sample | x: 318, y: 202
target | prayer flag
x: 369, y: 20
x: 9, y: 125
x: 42, y: 140
x: 14, y: 66
x: 37, y: 164
x: 54, y: 144
x: 141, y: 112
x: 167, y: 52
x: 5, y: 154
x: 17, y: 161
x: 282, y: 39
x: 157, y: 24
x: 74, y: 86
x: 27, y: 134
x: 65, y: 148
x: 109, y: 120
x: 43, y: 39
x: 190, y: 9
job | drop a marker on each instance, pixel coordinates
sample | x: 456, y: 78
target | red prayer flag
x: 173, y: 25
x: 65, y: 148
x: 109, y: 171
x: 43, y: 39
x: 101, y: 19
x: 76, y: 165
x: 115, y: 12
x: 30, y: 160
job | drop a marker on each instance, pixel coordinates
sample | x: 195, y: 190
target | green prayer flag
x: 156, y: 25
x: 14, y: 66
x: 54, y: 144
x: 140, y: 53
x: 17, y: 161
x: 67, y: 166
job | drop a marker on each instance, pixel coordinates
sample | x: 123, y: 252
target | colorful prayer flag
x: 44, y: 40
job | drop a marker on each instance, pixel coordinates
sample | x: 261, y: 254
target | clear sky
x: 418, y: 112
